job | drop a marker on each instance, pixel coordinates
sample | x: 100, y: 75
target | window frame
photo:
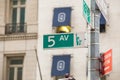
x: 15, y: 66
x: 18, y: 6
x: 6, y: 64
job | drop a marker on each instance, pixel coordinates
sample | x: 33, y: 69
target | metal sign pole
x: 38, y: 64
x: 94, y: 48
x: 94, y: 56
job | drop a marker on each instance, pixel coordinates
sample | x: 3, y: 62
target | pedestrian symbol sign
x: 78, y: 40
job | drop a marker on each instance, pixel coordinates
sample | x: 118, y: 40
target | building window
x: 102, y: 24
x: 17, y: 19
x: 18, y: 11
x: 15, y: 68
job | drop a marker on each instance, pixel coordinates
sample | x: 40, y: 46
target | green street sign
x: 86, y: 12
x: 58, y: 40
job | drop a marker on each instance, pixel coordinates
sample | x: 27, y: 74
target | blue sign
x: 62, y: 16
x: 102, y: 19
x: 60, y: 65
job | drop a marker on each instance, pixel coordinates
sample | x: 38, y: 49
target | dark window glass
x: 22, y: 2
x: 22, y: 19
x: 14, y: 19
x: 19, y: 73
x: 16, y: 61
x: 14, y: 15
x: 14, y: 2
x: 22, y: 15
x: 11, y: 74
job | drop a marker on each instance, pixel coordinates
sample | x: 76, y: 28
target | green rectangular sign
x: 86, y: 12
x: 58, y: 40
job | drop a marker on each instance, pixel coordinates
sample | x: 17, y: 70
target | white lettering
x: 61, y: 17
x: 107, y: 56
x: 51, y: 41
x: 60, y: 65
x: 106, y: 62
x: 64, y: 37
x: 106, y: 68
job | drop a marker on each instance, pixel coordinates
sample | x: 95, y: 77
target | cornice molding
x: 25, y: 36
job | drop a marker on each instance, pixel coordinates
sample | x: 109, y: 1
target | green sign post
x: 58, y: 40
x: 86, y: 12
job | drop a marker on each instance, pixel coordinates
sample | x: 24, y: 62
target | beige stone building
x: 18, y: 39
x: 22, y: 52
x: 109, y: 37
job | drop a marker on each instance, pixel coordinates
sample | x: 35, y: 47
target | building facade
x: 18, y: 39
x: 111, y: 39
x: 47, y: 11
x: 108, y: 37
x: 25, y: 24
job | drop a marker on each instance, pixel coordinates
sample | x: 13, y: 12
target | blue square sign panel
x: 62, y: 16
x: 60, y: 65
